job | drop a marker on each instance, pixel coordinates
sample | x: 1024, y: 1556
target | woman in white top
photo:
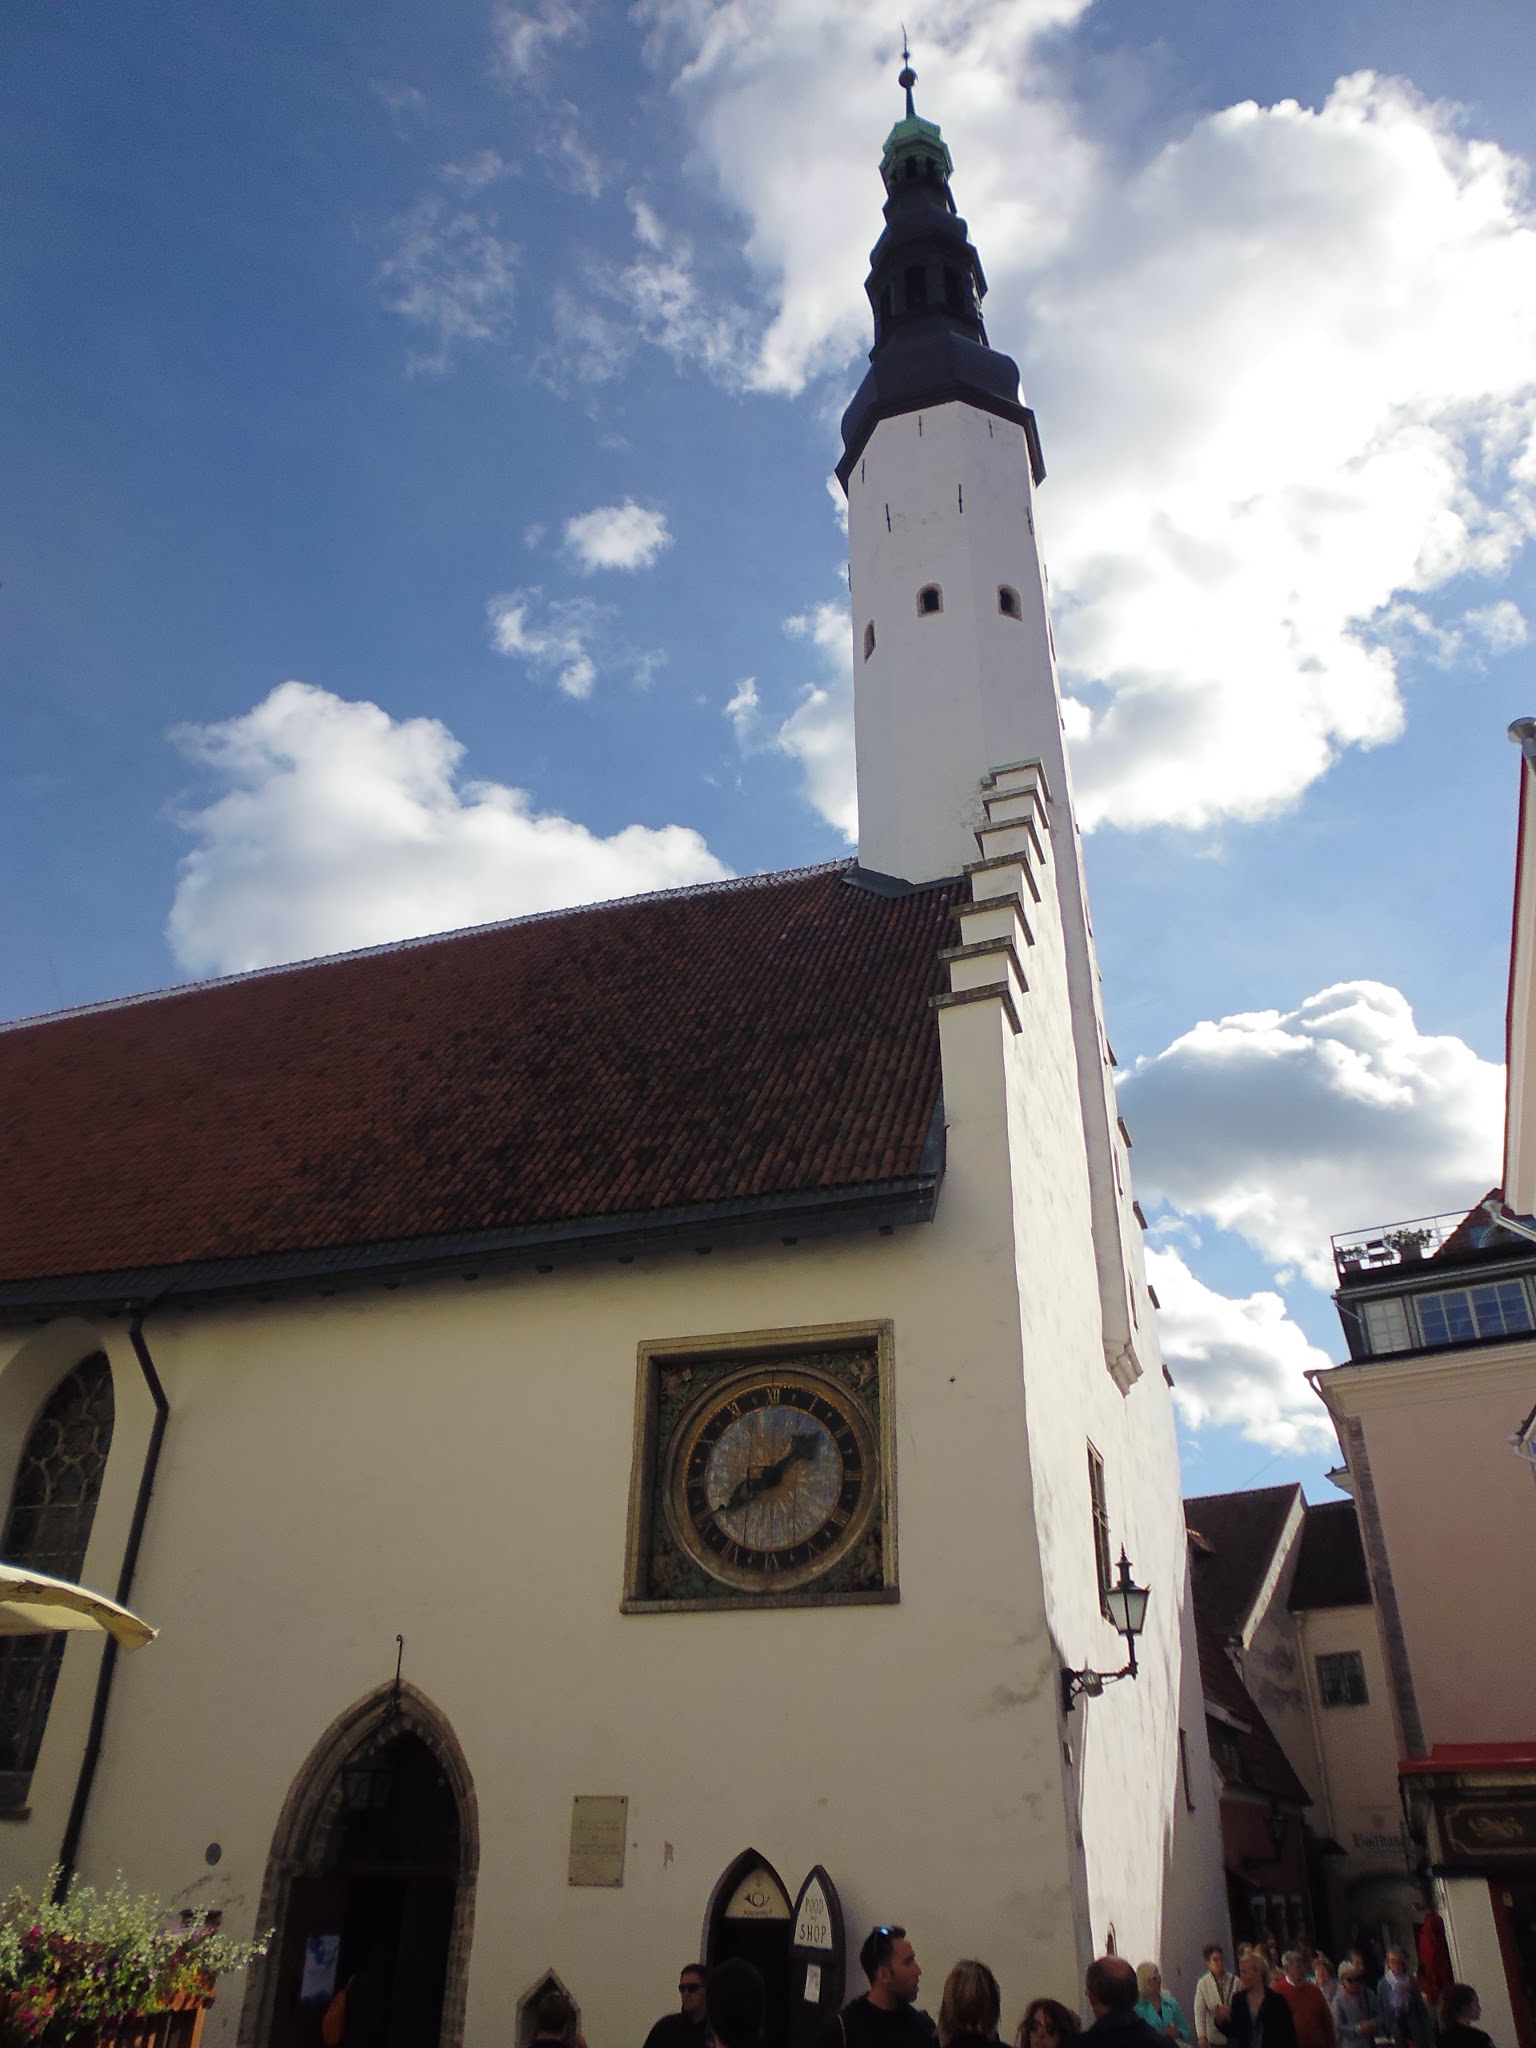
x: 1213, y: 1999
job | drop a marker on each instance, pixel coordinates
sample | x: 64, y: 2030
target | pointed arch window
x: 48, y: 1526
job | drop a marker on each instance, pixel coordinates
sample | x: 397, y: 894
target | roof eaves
x: 818, y: 1213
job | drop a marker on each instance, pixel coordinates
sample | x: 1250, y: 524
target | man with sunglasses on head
x: 885, y: 2017
x: 688, y: 2028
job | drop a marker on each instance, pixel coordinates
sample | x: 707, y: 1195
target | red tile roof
x: 723, y: 1045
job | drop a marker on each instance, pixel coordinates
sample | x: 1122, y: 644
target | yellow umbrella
x: 32, y: 1604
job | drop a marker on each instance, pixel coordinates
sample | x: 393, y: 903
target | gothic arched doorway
x: 749, y: 1916
x: 370, y: 1884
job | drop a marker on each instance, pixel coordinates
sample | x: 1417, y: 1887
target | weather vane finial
x: 908, y: 77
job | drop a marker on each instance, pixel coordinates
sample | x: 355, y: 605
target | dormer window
x: 1008, y: 602
x: 930, y: 599
x: 869, y: 639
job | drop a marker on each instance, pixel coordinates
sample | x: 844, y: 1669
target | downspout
x: 69, y: 1848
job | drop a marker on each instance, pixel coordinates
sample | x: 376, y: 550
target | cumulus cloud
x: 1288, y: 1127
x: 818, y: 733
x: 1286, y: 368
x: 337, y: 826
x: 553, y: 637
x: 453, y: 274
x: 627, y: 536
x: 1238, y: 1362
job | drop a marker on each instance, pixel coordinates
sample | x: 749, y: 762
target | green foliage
x: 98, y: 1958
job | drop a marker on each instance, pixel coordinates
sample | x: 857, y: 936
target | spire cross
x: 908, y: 77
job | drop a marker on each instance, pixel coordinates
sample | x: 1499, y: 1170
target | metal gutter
x: 881, y: 1205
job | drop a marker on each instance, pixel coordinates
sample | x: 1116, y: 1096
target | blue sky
x: 416, y: 430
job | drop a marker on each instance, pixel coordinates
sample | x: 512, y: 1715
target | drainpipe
x: 69, y: 1848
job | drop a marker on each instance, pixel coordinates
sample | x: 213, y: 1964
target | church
x: 641, y: 1428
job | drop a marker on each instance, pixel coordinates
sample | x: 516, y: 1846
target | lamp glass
x: 1127, y: 1608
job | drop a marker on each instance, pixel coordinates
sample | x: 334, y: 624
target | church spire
x: 925, y: 288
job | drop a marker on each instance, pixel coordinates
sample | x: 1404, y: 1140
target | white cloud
x: 523, y: 39
x: 1238, y: 1362
x: 1288, y: 362
x: 744, y: 711
x: 1501, y: 626
x: 338, y: 826
x: 627, y: 536
x: 1337, y: 1115
x: 553, y: 637
x: 1286, y: 366
x: 819, y: 732
x: 484, y: 167
x: 454, y: 275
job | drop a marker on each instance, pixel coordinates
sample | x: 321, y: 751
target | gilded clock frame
x: 739, y: 1351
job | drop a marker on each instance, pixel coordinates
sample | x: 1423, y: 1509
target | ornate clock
x: 762, y: 1475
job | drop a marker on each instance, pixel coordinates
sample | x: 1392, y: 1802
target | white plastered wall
x: 452, y: 1462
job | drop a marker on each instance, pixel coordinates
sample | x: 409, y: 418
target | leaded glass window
x: 53, y: 1504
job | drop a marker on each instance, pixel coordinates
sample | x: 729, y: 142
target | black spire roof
x: 926, y: 286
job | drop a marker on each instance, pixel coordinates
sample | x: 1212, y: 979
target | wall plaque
x: 599, y: 1826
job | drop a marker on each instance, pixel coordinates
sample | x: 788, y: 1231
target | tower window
x: 930, y: 599
x: 869, y: 639
x: 1008, y: 602
x: 917, y: 285
x: 887, y: 309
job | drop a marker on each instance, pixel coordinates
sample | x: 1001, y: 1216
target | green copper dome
x: 914, y: 133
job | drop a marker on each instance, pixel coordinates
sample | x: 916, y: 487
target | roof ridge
x: 726, y: 885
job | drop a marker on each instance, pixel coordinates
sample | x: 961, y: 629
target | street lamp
x: 1126, y: 1605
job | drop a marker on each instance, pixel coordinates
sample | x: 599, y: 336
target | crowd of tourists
x: 1294, y: 2000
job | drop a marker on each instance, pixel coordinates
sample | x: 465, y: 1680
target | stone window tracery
x: 53, y: 1503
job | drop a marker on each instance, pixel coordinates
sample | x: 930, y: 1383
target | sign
x: 1483, y: 1830
x: 813, y: 1919
x: 759, y: 1896
x: 599, y: 1825
x: 813, y: 1983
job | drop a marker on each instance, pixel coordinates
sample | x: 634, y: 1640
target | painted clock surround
x: 764, y: 1472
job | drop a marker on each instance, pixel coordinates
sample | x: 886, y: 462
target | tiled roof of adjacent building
x: 734, y: 1045
x: 1330, y: 1565
x: 1241, y: 1531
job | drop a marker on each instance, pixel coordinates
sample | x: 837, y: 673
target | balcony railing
x: 1392, y: 1244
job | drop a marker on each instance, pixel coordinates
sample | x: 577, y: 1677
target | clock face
x: 772, y: 1478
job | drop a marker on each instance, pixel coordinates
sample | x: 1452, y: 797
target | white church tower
x: 953, y: 658
x: 962, y: 770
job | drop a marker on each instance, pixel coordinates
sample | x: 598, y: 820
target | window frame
x: 1354, y: 1691
x: 1103, y: 1547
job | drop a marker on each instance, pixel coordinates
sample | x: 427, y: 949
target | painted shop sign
x: 1475, y: 1830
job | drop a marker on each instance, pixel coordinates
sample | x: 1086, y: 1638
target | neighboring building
x: 705, y: 1336
x: 1434, y: 1409
x: 1307, y: 1756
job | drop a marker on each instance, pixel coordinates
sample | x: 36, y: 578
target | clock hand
x: 803, y: 1446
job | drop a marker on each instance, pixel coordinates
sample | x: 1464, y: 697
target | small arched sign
x: 817, y: 1958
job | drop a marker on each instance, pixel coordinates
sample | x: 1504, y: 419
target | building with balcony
x: 1435, y: 1408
